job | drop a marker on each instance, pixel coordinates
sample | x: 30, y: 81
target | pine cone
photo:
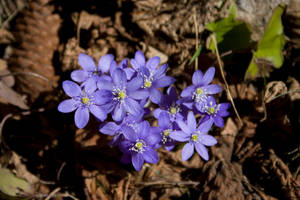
x: 36, y: 33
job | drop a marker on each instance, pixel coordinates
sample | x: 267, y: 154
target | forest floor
x: 257, y: 155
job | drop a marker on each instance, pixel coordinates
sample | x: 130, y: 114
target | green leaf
x: 230, y: 33
x: 196, y: 54
x: 270, y: 46
x: 12, y: 185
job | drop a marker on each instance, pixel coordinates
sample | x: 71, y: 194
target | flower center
x: 194, y: 137
x: 138, y: 146
x: 199, y: 91
x: 200, y: 95
x: 173, y: 110
x: 211, y: 110
x: 85, y: 100
x: 147, y: 83
x: 121, y: 95
x: 166, y: 132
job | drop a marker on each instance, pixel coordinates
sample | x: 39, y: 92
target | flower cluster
x: 126, y: 92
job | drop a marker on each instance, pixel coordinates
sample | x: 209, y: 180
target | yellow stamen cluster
x: 173, y: 110
x: 147, y: 83
x: 199, y: 91
x: 166, y: 132
x: 85, y: 100
x: 211, y: 110
x: 139, y: 145
x: 121, y: 95
x: 194, y: 137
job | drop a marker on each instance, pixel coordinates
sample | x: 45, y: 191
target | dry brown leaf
x: 8, y: 95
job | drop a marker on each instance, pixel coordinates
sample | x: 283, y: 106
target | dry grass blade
x: 225, y: 82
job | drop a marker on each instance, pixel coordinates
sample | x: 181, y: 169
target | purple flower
x: 215, y: 112
x: 198, y: 93
x: 195, y: 137
x: 90, y: 74
x: 82, y: 101
x: 154, y: 77
x: 166, y: 127
x: 123, y: 65
x: 139, y: 147
x: 121, y: 96
x: 172, y: 106
x: 129, y: 123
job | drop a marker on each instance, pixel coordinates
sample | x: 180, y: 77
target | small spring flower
x: 201, y: 89
x: 166, y: 127
x: 140, y: 146
x: 129, y: 123
x: 195, y: 137
x: 82, y: 102
x: 121, y: 96
x: 90, y: 74
x: 172, y: 106
x: 215, y: 112
x: 154, y: 77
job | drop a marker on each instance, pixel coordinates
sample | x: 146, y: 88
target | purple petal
x: 219, y: 122
x: 113, y: 66
x: 129, y: 72
x: 129, y: 133
x: 179, y: 136
x: 191, y: 121
x: 208, y: 140
x: 125, y: 146
x: 197, y: 77
x: 163, y: 82
x: 133, y: 107
x: 102, y: 97
x: 79, y: 75
x: 90, y: 85
x: 187, y: 151
x: 172, y: 93
x: 67, y: 106
x: 223, y: 109
x: 135, y: 83
x: 119, y: 112
x: 86, y: 62
x: 143, y: 130
x: 155, y: 95
x: 104, y: 84
x: 188, y: 91
x: 105, y: 62
x: 184, y: 127
x: 140, y: 58
x: 152, y: 63
x: 98, y: 112
x: 208, y: 76
x: 119, y: 78
x: 71, y: 88
x: 136, y: 66
x: 137, y: 161
x: 82, y: 117
x: 202, y: 151
x: 157, y: 112
x: 160, y: 72
x: 212, y: 89
x: 109, y: 128
x: 153, y: 136
x: 164, y: 120
x: 151, y: 156
x: 138, y: 94
x: 124, y: 63
x: 205, y: 126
